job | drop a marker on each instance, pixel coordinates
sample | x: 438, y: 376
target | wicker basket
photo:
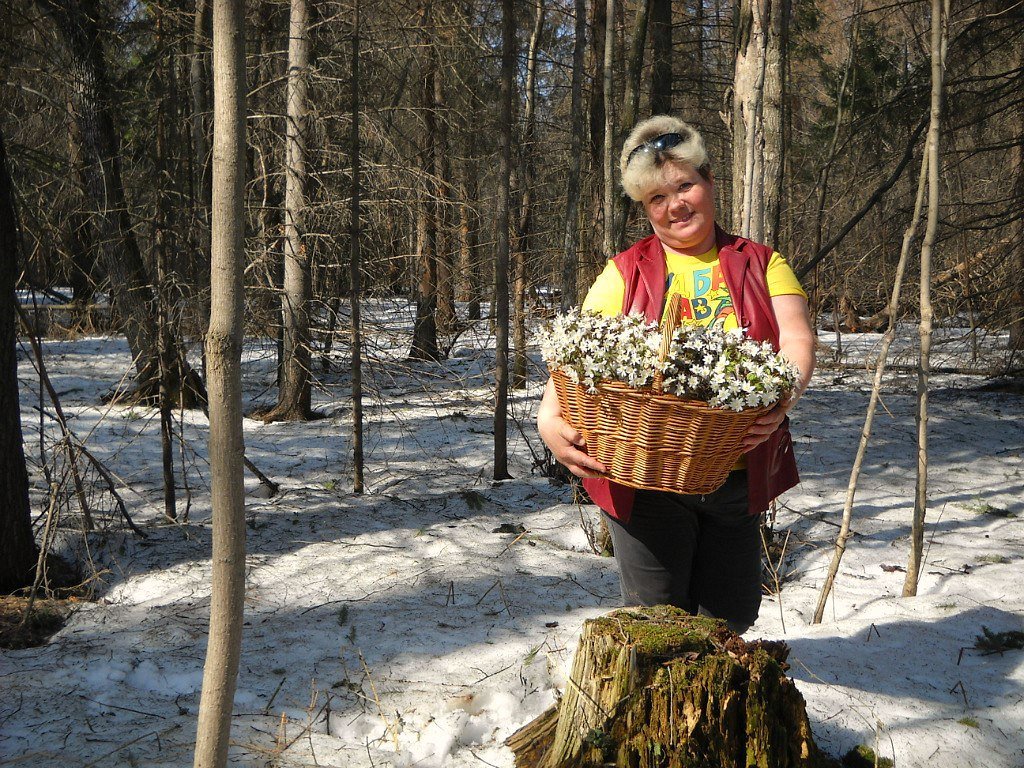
x: 652, y: 440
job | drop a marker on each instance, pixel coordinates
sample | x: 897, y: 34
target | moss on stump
x: 658, y: 688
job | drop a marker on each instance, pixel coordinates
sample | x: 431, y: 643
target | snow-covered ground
x: 422, y: 623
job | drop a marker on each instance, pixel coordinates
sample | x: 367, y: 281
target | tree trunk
x: 661, y: 56
x: 608, y: 156
x: 424, y: 335
x: 443, y: 205
x: 595, y: 255
x: 163, y: 279
x: 524, y: 225
x: 657, y: 687
x: 224, y: 353
x: 508, y: 53
x: 631, y: 106
x: 17, y: 545
x: 199, y: 79
x: 131, y: 290
x: 573, y: 188
x: 757, y: 121
x: 940, y: 15
x: 294, y: 395
x: 356, y: 273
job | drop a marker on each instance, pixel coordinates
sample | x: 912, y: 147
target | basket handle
x: 669, y: 323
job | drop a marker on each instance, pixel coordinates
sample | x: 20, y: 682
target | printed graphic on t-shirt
x: 705, y: 297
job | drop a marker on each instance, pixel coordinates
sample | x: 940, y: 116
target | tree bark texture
x: 294, y: 394
x: 224, y: 352
x: 657, y: 687
x: 757, y: 120
x: 17, y: 544
x: 504, y: 204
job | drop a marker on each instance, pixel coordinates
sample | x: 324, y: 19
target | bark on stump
x: 658, y: 688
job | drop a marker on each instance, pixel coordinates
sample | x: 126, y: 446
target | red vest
x: 771, y: 466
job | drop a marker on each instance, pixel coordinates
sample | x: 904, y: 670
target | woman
x: 703, y: 552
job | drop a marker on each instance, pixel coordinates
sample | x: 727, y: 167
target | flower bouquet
x: 662, y: 409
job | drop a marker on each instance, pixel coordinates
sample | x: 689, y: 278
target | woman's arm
x: 796, y: 343
x: 566, y: 443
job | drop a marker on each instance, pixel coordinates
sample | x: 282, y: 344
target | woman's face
x: 682, y: 210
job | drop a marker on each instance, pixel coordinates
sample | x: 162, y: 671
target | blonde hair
x: 644, y: 170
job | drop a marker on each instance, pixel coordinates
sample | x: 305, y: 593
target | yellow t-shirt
x: 699, y: 280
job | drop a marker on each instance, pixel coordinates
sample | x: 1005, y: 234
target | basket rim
x: 619, y: 388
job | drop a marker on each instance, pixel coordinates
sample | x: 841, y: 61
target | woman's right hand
x: 566, y: 443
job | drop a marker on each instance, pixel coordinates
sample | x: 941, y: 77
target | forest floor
x: 423, y: 622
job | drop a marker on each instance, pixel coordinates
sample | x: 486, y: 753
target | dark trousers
x: 699, y: 553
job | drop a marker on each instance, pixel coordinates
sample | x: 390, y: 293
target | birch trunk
x: 224, y: 351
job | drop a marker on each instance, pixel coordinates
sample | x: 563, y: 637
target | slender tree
x: 295, y: 392
x: 573, y: 186
x: 224, y: 358
x: 356, y: 272
x: 526, y: 175
x: 17, y: 545
x: 504, y: 206
x: 940, y: 14
x: 424, y: 334
x: 608, y: 157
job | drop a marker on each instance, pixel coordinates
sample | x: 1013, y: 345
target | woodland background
x: 458, y: 159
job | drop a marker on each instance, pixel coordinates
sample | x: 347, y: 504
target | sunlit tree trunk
x: 940, y: 14
x: 224, y: 355
x: 508, y: 52
x: 17, y: 545
x: 294, y: 395
x: 757, y: 120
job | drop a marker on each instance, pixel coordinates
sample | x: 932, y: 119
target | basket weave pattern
x: 652, y: 440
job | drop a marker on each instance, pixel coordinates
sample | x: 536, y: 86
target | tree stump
x: 658, y: 688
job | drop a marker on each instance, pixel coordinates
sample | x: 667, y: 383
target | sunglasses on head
x: 657, y: 144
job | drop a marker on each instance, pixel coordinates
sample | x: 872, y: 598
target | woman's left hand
x: 765, y: 425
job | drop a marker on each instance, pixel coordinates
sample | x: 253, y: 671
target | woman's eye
x: 657, y: 199
x: 685, y: 186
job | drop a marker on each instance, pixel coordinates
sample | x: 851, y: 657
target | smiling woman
x: 701, y: 553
